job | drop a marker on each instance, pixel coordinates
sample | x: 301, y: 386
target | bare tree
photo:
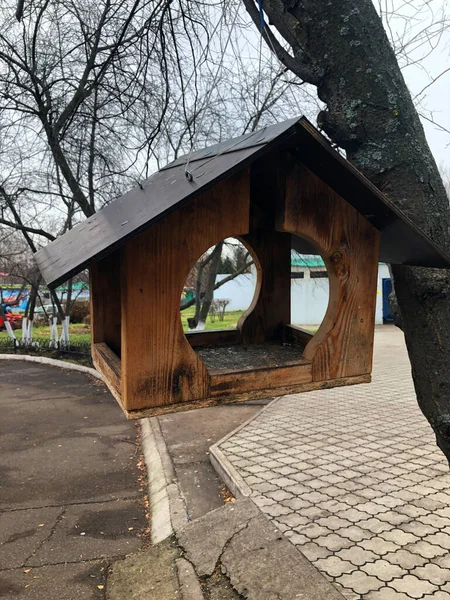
x: 81, y: 94
x: 93, y: 98
x: 202, y: 279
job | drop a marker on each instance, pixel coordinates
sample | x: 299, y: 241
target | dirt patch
x: 150, y: 574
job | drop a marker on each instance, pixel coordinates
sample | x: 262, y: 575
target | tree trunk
x: 208, y: 294
x: 69, y: 296
x: 341, y: 47
x: 219, y: 284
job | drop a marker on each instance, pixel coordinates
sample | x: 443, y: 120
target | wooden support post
x: 348, y: 243
x: 159, y: 367
x: 271, y: 308
x: 105, y: 302
x: 264, y: 320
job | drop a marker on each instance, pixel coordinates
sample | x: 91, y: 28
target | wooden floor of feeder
x: 249, y: 356
x: 273, y: 370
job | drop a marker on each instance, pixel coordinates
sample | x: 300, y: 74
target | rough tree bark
x: 342, y: 48
x: 204, y: 298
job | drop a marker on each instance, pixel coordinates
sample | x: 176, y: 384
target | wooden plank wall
x: 159, y: 367
x: 297, y: 336
x: 343, y: 345
x: 109, y: 365
x: 105, y: 302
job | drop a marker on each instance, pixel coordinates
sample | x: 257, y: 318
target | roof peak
x: 260, y: 137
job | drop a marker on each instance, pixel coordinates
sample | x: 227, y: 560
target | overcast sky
x: 422, y: 29
x: 424, y: 26
x: 435, y: 100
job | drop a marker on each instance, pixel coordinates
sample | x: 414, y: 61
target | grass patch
x: 79, y: 333
x: 230, y: 319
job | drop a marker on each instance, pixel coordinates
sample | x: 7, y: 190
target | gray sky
x: 437, y: 102
x: 423, y: 27
x: 420, y: 32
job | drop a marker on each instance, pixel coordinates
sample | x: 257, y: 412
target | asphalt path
x: 71, y: 502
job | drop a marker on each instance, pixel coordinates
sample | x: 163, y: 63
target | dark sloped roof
x: 401, y: 241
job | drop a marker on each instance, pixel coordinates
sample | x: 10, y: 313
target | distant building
x: 309, y: 291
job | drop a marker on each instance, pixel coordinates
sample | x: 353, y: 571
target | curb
x: 167, y: 508
x: 189, y: 585
x: 224, y: 468
x: 62, y: 364
x: 169, y: 518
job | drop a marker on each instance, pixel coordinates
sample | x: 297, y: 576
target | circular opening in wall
x: 260, y: 331
x: 220, y: 288
x: 310, y: 289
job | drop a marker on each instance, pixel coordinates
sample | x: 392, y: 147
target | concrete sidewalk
x: 354, y: 479
x: 70, y: 500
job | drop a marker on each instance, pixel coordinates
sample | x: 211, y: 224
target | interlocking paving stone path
x: 353, y: 477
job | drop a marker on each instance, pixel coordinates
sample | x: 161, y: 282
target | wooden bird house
x: 280, y: 188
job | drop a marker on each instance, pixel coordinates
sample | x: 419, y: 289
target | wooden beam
x: 108, y: 364
x: 348, y: 243
x: 248, y: 396
x: 217, y: 337
x: 298, y: 336
x: 105, y: 301
x: 271, y: 307
x: 224, y: 384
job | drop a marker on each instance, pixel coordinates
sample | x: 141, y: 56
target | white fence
x: 309, y: 297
